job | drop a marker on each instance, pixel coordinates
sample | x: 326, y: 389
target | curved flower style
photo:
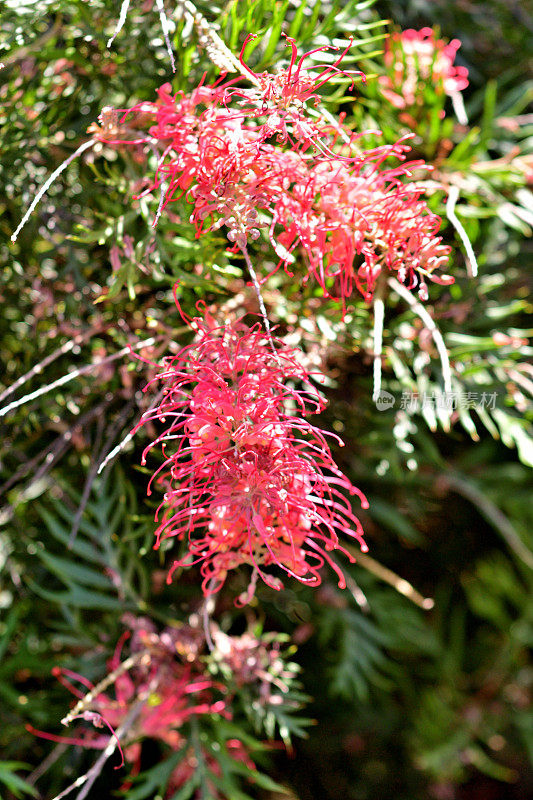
x: 356, y: 223
x: 281, y: 97
x: 415, y: 59
x: 247, y: 479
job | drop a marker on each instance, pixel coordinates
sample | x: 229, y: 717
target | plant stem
x: 257, y: 288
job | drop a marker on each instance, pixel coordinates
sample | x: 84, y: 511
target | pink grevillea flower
x: 164, y: 675
x: 281, y: 97
x: 175, y: 689
x: 417, y: 59
x: 256, y: 662
x: 247, y: 479
x: 218, y: 155
x: 357, y: 222
x: 224, y: 167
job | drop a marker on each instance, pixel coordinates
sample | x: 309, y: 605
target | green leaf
x: 15, y: 784
x: 155, y: 780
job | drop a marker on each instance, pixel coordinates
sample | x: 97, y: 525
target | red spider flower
x: 224, y: 167
x: 248, y: 480
x: 218, y: 155
x: 281, y: 97
x: 416, y: 59
x: 162, y: 677
x: 355, y: 222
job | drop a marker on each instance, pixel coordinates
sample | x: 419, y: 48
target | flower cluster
x: 162, y: 684
x: 254, y: 158
x: 416, y: 60
x: 255, y: 661
x: 166, y: 679
x: 248, y: 480
x: 225, y: 167
x: 355, y: 222
x: 169, y: 676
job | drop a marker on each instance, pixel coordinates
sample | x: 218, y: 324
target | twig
x: 94, y: 471
x: 426, y: 318
x: 92, y: 774
x: 166, y: 31
x: 38, y: 368
x: 129, y: 436
x: 70, y: 376
x: 208, y: 606
x: 357, y: 593
x: 86, y: 701
x: 162, y: 195
x: 120, y: 23
x: 385, y: 574
x: 36, y: 46
x: 492, y: 514
x: 50, y: 759
x: 255, y: 281
x: 471, y: 261
x: 49, y: 181
x: 52, y: 455
x: 220, y: 55
x: 91, y: 475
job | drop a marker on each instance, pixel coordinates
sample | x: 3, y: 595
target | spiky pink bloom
x: 176, y: 689
x: 248, y: 480
x: 165, y: 676
x: 219, y: 156
x: 416, y: 59
x: 354, y: 217
x: 356, y: 222
x: 224, y: 167
x: 282, y: 97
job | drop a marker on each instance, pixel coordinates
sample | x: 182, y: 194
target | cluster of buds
x: 247, y: 479
x: 257, y: 662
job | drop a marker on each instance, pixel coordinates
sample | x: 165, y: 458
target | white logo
x: 384, y: 400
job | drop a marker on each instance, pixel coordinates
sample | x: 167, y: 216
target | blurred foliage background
x: 409, y: 703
